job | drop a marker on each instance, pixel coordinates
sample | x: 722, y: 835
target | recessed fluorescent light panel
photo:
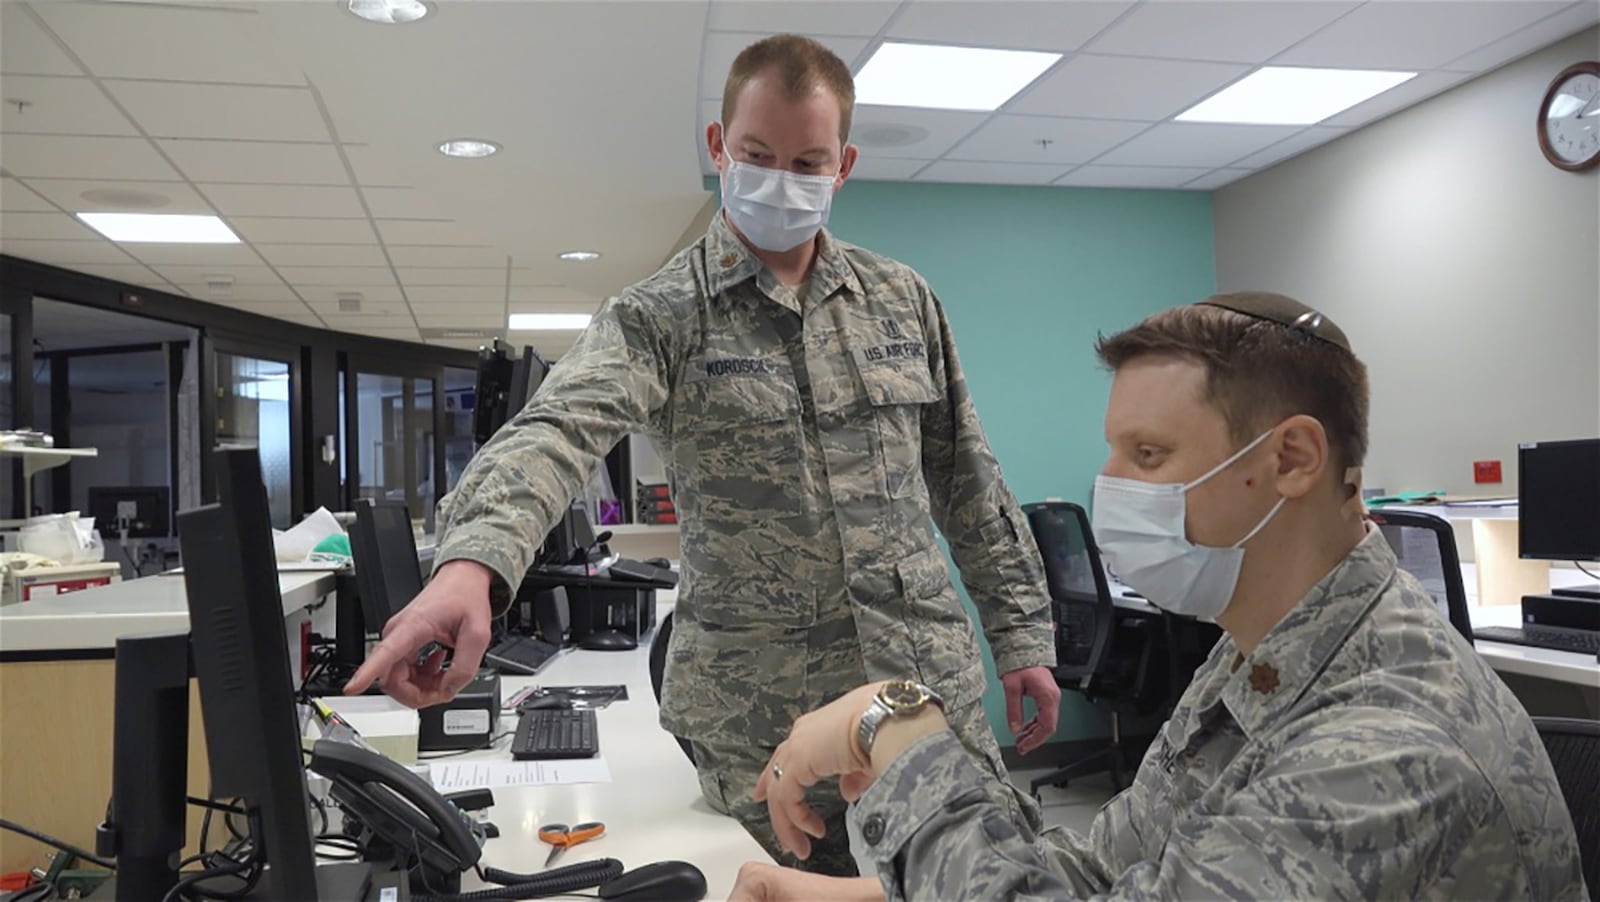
x: 948, y: 78
x: 580, y: 256
x: 1282, y: 95
x: 389, y: 12
x: 160, y: 228
x: 469, y: 148
x: 549, y: 322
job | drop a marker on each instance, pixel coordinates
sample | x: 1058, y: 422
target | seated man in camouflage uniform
x: 1342, y: 741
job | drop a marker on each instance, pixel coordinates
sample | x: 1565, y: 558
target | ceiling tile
x: 378, y: 165
x: 534, y: 278
x: 424, y: 296
x: 990, y: 173
x: 220, y: 42
x: 79, y: 157
x: 1015, y: 24
x: 243, y: 275
x: 252, y: 161
x: 1415, y: 34
x: 246, y: 294
x: 1217, y: 179
x: 1188, y: 144
x: 249, y: 112
x: 337, y: 275
x: 264, y: 308
x: 1016, y: 139
x: 908, y: 133
x: 27, y: 50
x: 141, y: 197
x: 1395, y: 99
x: 465, y: 315
x: 262, y: 230
x: 56, y: 226
x: 1113, y: 87
x: 1537, y: 36
x: 323, y: 254
x: 1236, y: 32
x: 428, y: 256
x: 720, y: 48
x: 454, y: 276
x: 64, y: 253
x: 321, y: 296
x: 427, y: 231
x: 862, y: 18
x: 192, y: 254
x: 401, y: 203
x: 363, y: 325
x: 61, y: 106
x: 285, y: 200
x: 871, y: 168
x: 1130, y: 176
x: 15, y: 197
x: 1290, y: 146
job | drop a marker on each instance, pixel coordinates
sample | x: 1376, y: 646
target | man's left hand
x: 1039, y: 684
x: 821, y: 744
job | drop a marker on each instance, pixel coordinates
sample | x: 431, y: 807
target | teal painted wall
x: 1028, y: 278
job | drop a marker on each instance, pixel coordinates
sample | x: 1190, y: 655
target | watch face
x: 898, y: 694
x: 1572, y: 119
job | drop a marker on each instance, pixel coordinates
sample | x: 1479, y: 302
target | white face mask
x: 1141, y: 532
x: 776, y: 210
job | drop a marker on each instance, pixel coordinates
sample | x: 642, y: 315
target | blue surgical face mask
x: 1140, y: 528
x: 775, y: 209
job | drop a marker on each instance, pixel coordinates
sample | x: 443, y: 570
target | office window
x: 117, y: 404
x: 394, y: 440
x: 458, y: 403
x: 253, y: 412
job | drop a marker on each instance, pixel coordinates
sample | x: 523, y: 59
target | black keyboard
x: 556, y: 733
x: 522, y: 655
x: 1580, y: 641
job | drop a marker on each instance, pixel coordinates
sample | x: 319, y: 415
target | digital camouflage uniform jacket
x: 814, y: 437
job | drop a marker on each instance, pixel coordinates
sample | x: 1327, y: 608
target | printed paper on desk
x: 457, y: 776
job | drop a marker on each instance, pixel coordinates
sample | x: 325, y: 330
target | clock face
x: 1570, y: 125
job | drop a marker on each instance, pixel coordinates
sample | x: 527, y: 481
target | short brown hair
x: 802, y: 65
x: 1258, y: 370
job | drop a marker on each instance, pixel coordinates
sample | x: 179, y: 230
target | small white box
x: 48, y: 582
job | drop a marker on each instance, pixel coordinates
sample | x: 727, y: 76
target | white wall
x: 1465, y: 269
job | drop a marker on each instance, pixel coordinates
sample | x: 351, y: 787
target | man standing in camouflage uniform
x: 816, y: 426
x: 1342, y: 741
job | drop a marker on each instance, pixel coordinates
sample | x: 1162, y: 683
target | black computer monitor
x: 388, y: 575
x: 491, y: 389
x: 241, y: 658
x: 139, y: 512
x: 1558, y: 500
x: 526, y: 377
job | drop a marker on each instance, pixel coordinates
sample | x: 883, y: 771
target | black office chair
x: 1426, y: 548
x: 658, y: 670
x: 1101, y: 652
x: 1574, y: 748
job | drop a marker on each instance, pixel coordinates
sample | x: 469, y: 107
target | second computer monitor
x: 1558, y: 500
x: 388, y: 575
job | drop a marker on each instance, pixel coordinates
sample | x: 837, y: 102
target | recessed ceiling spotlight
x: 580, y: 256
x: 389, y: 12
x: 469, y: 148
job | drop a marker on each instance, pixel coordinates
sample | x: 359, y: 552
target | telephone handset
x: 398, y: 806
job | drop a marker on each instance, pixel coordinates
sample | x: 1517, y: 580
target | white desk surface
x: 1562, y: 666
x: 652, y: 808
x: 95, y: 618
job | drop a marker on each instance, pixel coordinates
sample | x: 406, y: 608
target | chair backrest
x: 1079, y: 593
x: 1574, y: 748
x: 1426, y: 548
x: 658, y: 670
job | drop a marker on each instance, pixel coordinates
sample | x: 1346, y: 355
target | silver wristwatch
x: 897, y: 698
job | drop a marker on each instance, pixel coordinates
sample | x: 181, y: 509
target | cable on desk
x: 559, y: 882
x: 1580, y: 566
x: 477, y: 748
x: 57, y: 843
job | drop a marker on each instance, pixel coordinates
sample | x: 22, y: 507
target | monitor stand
x: 1588, y: 593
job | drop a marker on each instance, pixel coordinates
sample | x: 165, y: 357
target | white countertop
x: 95, y: 618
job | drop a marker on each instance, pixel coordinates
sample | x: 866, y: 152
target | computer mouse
x: 661, y: 562
x: 607, y: 640
x: 663, y: 881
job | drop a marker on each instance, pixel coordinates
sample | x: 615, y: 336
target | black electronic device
x: 642, y: 572
x: 527, y: 375
x: 490, y: 390
x: 521, y: 655
x: 385, y: 553
x: 241, y: 659
x: 550, y: 733
x: 467, y: 721
x: 1558, y: 504
x: 132, y: 512
x: 1554, y: 622
x: 608, y: 640
x: 662, y: 881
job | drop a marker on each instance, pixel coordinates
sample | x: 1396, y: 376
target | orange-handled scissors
x: 561, y: 837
